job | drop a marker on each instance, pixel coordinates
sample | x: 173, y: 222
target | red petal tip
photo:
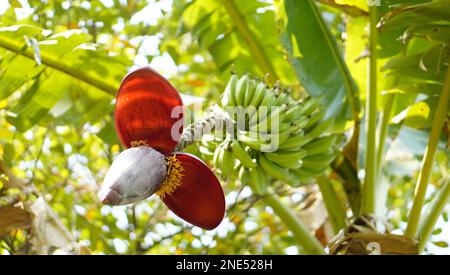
x: 148, y: 109
x: 199, y: 200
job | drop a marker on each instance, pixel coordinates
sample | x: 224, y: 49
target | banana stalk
x: 293, y: 222
x: 428, y: 158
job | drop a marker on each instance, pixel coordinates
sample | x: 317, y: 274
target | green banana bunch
x: 295, y: 149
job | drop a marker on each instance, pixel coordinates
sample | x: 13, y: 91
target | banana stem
x: 386, y: 115
x: 214, y: 117
x: 384, y: 123
x: 350, y: 182
x: 293, y: 222
x: 427, y: 163
x: 369, y: 188
x: 335, y: 209
x: 435, y: 209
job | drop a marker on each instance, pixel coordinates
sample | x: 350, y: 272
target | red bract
x: 144, y: 106
x: 199, y: 199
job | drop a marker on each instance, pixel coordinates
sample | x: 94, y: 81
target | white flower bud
x: 135, y: 175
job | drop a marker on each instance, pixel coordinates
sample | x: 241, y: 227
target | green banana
x: 205, y: 151
x: 288, y: 159
x: 283, y: 98
x: 244, y: 175
x: 301, y: 122
x: 320, y: 145
x: 303, y: 177
x: 276, y: 88
x: 275, y: 170
x: 315, y: 117
x: 250, y: 91
x: 290, y: 164
x: 293, y: 113
x: 228, y: 98
x: 252, y: 136
x: 255, y: 139
x: 241, y: 88
x: 260, y: 92
x: 269, y: 98
x: 227, y: 161
x: 252, y: 139
x: 251, y: 111
x: 242, y: 155
x: 291, y: 156
x: 310, y: 105
x: 288, y: 127
x: 237, y: 166
x: 211, y: 144
x: 320, y: 159
x: 261, y: 112
x: 295, y: 141
x: 318, y: 129
x: 315, y: 170
x: 265, y: 125
x: 279, y: 136
x: 258, y: 181
x: 217, y: 158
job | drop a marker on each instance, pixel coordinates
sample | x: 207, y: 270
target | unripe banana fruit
x: 227, y: 161
x: 242, y: 155
x: 280, y: 138
x: 228, y: 98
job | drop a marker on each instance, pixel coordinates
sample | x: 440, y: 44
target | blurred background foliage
x: 62, y: 61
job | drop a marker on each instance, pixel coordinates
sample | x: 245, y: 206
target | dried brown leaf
x: 12, y: 218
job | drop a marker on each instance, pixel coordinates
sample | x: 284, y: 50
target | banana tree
x: 280, y: 123
x: 327, y: 77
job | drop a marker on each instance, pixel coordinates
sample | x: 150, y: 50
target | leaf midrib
x: 58, y: 64
x: 241, y: 25
x: 334, y: 51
